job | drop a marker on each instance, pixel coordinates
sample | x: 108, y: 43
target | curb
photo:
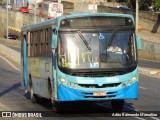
x: 13, y: 64
x: 150, y: 72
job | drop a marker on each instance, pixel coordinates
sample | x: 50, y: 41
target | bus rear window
x: 97, y: 21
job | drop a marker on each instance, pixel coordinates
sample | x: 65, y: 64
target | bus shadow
x: 27, y: 95
x: 129, y: 107
x: 13, y: 87
x: 95, y: 109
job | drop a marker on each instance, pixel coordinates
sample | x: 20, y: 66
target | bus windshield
x: 109, y: 49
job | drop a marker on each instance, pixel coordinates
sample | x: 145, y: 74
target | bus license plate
x: 99, y: 93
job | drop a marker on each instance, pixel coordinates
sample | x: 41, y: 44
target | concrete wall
x: 15, y: 21
x: 10, y: 54
x: 86, y: 6
x: 150, y: 50
x: 14, y: 43
x: 146, y: 19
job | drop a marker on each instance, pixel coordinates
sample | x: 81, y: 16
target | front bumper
x: 69, y: 94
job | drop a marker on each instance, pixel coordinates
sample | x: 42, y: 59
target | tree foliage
x: 157, y: 3
x: 143, y: 4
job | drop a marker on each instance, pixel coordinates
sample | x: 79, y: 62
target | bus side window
x: 32, y: 47
x: 46, y: 42
x: 38, y: 43
x: 54, y: 39
x: 35, y: 43
x: 41, y: 43
x: 28, y: 43
x: 49, y: 42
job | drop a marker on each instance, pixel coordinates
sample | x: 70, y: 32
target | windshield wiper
x: 84, y: 40
x: 111, y: 39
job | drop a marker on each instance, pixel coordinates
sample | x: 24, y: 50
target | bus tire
x: 33, y: 96
x: 57, y: 106
x: 117, y: 105
x: 49, y: 89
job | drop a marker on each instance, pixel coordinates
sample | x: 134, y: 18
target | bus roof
x: 81, y: 14
x: 72, y: 15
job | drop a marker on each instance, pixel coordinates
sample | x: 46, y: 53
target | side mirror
x: 138, y: 41
x: 54, y: 40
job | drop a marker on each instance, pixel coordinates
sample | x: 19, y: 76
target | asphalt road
x: 13, y: 98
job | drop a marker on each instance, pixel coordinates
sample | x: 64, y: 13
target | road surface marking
x: 141, y: 112
x: 9, y: 63
x: 3, y: 106
x: 154, y: 72
x: 140, y: 118
x: 142, y: 87
x: 134, y: 110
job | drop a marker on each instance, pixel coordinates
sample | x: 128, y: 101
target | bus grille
x: 97, y: 86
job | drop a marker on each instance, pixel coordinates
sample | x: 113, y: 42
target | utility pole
x: 15, y: 4
x: 82, y: 1
x: 7, y: 19
x: 23, y: 3
x: 137, y: 11
x: 35, y: 13
x: 94, y: 2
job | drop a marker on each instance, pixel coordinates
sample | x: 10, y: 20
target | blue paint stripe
x: 25, y: 62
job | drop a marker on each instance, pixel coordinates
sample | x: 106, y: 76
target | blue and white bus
x: 81, y: 57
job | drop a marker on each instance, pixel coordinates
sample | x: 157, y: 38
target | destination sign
x: 97, y: 21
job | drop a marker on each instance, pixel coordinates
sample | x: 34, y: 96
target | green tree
x: 143, y: 4
x: 157, y: 3
x: 2, y: 2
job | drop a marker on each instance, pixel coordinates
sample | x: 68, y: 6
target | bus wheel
x: 49, y: 90
x: 56, y: 106
x: 33, y: 97
x: 117, y: 105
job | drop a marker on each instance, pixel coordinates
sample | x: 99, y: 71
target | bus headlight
x: 134, y: 79
x: 75, y: 86
x: 68, y: 84
x: 123, y: 85
x: 62, y: 80
x: 130, y: 82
